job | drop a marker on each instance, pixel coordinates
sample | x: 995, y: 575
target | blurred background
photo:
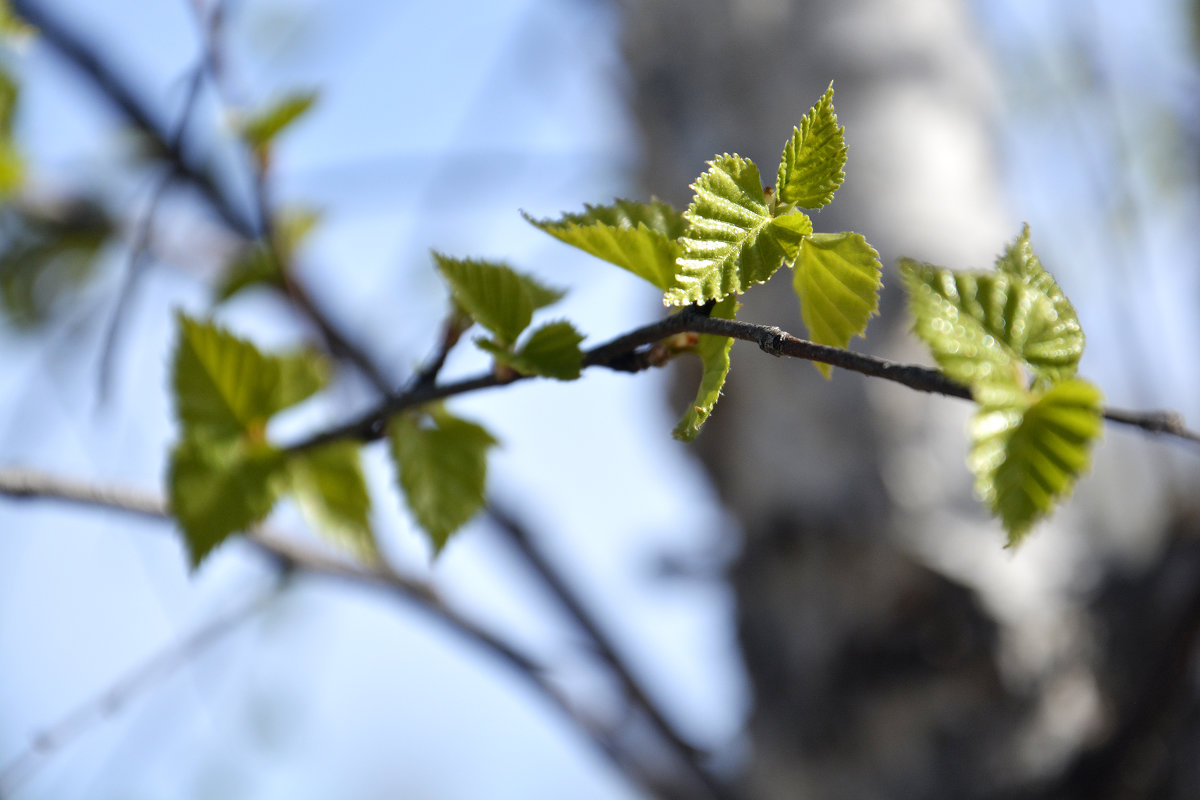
x: 809, y: 595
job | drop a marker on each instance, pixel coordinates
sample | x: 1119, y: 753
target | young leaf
x: 639, y: 237
x: 494, y: 295
x: 551, y: 351
x: 443, y: 470
x: 714, y: 356
x: 332, y: 493
x: 225, y: 387
x: 219, y: 488
x: 1019, y: 261
x: 731, y: 242
x: 1028, y: 450
x: 811, y: 168
x: 988, y: 327
x: 261, y: 128
x: 837, y: 278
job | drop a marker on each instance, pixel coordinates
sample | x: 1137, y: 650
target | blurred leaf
x: 714, y: 355
x: 331, y: 491
x: 11, y: 24
x: 47, y: 253
x: 260, y: 129
x: 732, y: 240
x: 494, y: 295
x: 255, y: 264
x: 442, y: 463
x: 639, y: 237
x: 9, y: 93
x: 990, y: 327
x: 837, y: 278
x: 811, y: 168
x: 551, y: 351
x: 224, y: 387
x: 219, y: 488
x: 1027, y: 450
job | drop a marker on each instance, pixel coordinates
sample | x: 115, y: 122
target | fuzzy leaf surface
x: 1019, y: 261
x: 811, y: 168
x: 496, y: 296
x: 714, y: 356
x: 442, y: 464
x: 330, y: 488
x: 1028, y: 449
x: 225, y: 387
x: 219, y: 488
x: 638, y: 237
x: 731, y: 243
x: 837, y: 277
x: 988, y: 327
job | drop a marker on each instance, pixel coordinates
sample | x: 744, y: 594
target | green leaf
x: 254, y: 265
x: 494, y: 295
x: 811, y: 168
x: 9, y: 94
x: 1019, y: 261
x: 261, y: 128
x: 1027, y: 450
x: 442, y: 461
x: 714, y: 355
x: 837, y: 278
x: 551, y: 351
x: 331, y: 491
x: 733, y: 240
x: 224, y: 387
x: 219, y: 488
x: 990, y: 327
x: 639, y: 237
x: 11, y: 24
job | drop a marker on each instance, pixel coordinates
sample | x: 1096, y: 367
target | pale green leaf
x: 11, y: 24
x: 990, y: 327
x: 551, y: 351
x: 261, y: 128
x: 837, y: 279
x: 442, y: 463
x: 1027, y: 450
x: 219, y: 488
x: 714, y: 356
x: 811, y: 168
x: 1019, y: 261
x: 225, y: 387
x: 639, y: 237
x: 496, y: 296
x: 254, y: 265
x: 330, y: 489
x: 730, y: 242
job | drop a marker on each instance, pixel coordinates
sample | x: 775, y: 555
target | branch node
x: 771, y: 341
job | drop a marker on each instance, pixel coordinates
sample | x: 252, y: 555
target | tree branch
x: 291, y: 556
x: 632, y: 352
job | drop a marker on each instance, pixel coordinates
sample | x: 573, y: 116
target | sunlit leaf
x: 442, y: 463
x: 219, y: 488
x: 990, y: 327
x: 731, y: 242
x: 551, y: 351
x: 811, y: 168
x: 714, y: 356
x: 496, y: 296
x: 261, y: 128
x: 1027, y: 449
x: 639, y: 237
x: 837, y: 279
x: 225, y: 387
x: 1019, y: 261
x: 330, y: 488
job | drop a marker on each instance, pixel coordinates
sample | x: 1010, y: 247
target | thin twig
x: 578, y: 611
x: 629, y: 353
x: 137, y: 681
x: 298, y: 558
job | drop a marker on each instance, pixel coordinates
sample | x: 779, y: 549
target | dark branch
x: 634, y: 352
